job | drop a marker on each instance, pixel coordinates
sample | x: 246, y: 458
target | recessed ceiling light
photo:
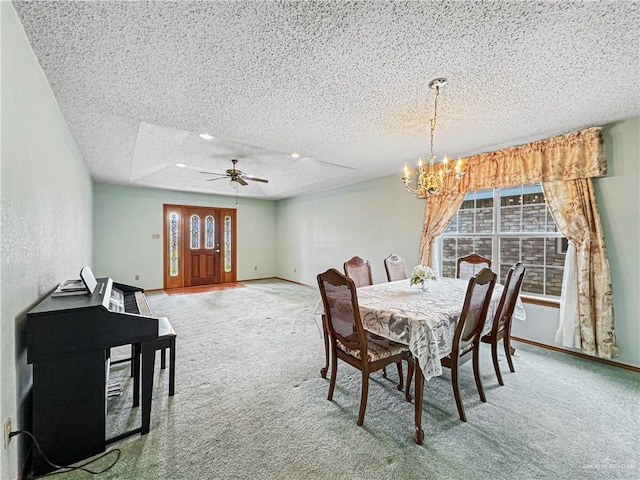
x: 180, y: 165
x: 295, y: 155
x: 206, y: 136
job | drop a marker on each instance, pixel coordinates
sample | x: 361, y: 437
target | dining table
x: 424, y: 319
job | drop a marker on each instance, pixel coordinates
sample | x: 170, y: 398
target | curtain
x: 566, y: 157
x: 564, y: 164
x: 574, y: 208
x: 568, y: 333
x: 439, y: 212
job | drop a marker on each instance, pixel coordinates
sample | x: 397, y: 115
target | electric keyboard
x: 68, y: 339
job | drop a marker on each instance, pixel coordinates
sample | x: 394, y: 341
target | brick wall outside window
x: 527, y: 233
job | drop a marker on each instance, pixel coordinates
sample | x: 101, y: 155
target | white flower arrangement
x: 421, y: 273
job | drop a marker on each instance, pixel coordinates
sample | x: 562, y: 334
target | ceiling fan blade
x: 241, y: 181
x: 255, y: 179
x: 219, y: 178
x: 213, y: 173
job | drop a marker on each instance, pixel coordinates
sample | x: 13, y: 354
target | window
x: 173, y: 244
x: 227, y: 243
x: 210, y: 230
x: 195, y: 232
x: 508, y: 225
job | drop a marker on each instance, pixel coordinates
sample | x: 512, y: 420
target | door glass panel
x: 227, y: 243
x: 173, y: 244
x: 195, y: 232
x: 209, y: 231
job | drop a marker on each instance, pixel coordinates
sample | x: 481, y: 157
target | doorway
x: 199, y: 246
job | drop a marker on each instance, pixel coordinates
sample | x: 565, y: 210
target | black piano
x: 68, y: 342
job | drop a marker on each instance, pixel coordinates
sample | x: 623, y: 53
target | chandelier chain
x: 433, y: 122
x: 432, y: 179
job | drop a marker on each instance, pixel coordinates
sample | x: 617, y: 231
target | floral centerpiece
x: 420, y: 274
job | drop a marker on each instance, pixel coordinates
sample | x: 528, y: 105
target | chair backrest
x: 474, y: 311
x: 394, y: 266
x: 507, y: 304
x: 341, y: 310
x: 359, y: 270
x: 469, y: 265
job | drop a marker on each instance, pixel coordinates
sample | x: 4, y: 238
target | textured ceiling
x: 344, y: 84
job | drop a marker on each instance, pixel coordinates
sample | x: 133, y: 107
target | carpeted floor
x: 250, y: 404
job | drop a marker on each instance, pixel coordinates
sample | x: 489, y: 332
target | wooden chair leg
x: 325, y: 336
x: 456, y: 392
x: 363, y: 397
x: 494, y: 356
x: 476, y: 371
x: 410, y: 368
x: 334, y: 365
x: 508, y: 351
x: 400, y: 376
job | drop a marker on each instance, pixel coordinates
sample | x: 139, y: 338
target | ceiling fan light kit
x: 236, y: 176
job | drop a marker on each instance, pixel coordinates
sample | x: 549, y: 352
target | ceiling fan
x: 236, y: 175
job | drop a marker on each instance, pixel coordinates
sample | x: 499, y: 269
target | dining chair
x: 395, y: 268
x: 466, y: 340
x: 350, y: 342
x: 501, y: 327
x: 359, y: 270
x: 470, y: 265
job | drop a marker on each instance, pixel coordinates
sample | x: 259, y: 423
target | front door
x: 199, y: 246
x: 202, y: 255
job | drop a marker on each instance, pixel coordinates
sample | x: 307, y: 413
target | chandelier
x: 433, y: 179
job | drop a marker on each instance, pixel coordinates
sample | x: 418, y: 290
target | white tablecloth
x: 425, y: 321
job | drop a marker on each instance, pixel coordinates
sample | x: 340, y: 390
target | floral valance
x: 566, y: 157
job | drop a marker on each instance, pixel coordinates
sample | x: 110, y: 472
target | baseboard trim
x: 578, y: 354
x: 276, y: 278
x: 202, y: 288
x: 292, y: 281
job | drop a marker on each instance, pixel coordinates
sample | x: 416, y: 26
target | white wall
x: 370, y: 219
x: 378, y: 217
x: 126, y: 217
x: 618, y: 196
x: 46, y: 199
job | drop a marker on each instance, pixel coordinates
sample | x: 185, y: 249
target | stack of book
x: 71, y: 287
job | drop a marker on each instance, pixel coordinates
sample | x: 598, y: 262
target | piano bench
x: 166, y: 340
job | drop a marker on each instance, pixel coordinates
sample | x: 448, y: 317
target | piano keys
x: 68, y: 339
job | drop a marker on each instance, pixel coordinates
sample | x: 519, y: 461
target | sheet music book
x: 71, y: 287
x: 85, y: 285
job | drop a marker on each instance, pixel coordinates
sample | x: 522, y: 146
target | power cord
x: 68, y: 468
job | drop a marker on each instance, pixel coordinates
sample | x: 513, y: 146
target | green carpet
x: 250, y: 404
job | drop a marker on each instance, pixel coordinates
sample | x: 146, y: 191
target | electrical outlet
x: 7, y: 431
x: 137, y: 277
x: 295, y: 270
x: 255, y: 268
